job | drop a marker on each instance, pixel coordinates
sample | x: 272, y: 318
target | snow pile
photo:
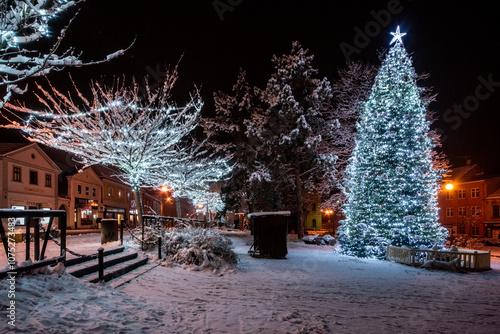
x: 317, y: 240
x: 201, y: 247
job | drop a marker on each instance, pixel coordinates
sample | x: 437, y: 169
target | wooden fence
x: 468, y: 259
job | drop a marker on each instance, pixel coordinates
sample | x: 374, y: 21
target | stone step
x: 117, y: 270
x: 78, y: 260
x: 90, y: 267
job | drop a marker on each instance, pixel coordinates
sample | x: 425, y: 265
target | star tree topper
x: 397, y: 36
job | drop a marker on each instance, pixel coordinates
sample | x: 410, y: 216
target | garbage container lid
x: 272, y: 213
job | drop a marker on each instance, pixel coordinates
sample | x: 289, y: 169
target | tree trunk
x: 178, y: 207
x: 300, y: 221
x: 138, y: 204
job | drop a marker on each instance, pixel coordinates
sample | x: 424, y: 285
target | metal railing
x: 32, y: 220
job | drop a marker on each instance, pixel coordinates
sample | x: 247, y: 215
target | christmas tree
x: 391, y: 183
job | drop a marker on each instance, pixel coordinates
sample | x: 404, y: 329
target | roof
x: 466, y: 173
x: 10, y: 147
x: 273, y: 213
x: 495, y: 194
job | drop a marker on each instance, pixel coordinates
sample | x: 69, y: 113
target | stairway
x: 119, y: 267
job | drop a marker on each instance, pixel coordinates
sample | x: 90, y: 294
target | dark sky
x: 455, y: 44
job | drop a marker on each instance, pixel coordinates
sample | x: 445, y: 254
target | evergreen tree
x: 391, y: 180
x: 228, y: 135
x: 294, y: 103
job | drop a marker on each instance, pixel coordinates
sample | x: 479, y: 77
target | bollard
x: 121, y: 232
x: 159, y: 248
x: 101, y: 263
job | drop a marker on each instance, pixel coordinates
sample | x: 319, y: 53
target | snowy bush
x: 204, y: 248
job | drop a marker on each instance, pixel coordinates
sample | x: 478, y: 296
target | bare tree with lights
x: 118, y: 126
x: 24, y: 24
x: 192, y: 174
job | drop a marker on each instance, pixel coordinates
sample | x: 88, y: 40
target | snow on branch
x: 23, y: 23
x: 117, y: 125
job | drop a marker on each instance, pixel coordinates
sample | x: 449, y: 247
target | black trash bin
x: 270, y: 230
x: 109, y: 230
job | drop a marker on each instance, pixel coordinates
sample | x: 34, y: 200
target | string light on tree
x: 391, y: 183
x: 140, y: 134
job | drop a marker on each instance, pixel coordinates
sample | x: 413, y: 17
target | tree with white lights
x: 391, y: 180
x: 117, y: 126
x: 24, y: 24
x: 192, y: 174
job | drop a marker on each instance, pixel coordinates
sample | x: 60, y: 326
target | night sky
x: 457, y: 45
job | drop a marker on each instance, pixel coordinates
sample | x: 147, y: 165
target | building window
x: 93, y: 192
x: 79, y: 189
x: 33, y: 177
x: 475, y: 192
x: 461, y: 194
x: 474, y: 230
x: 87, y: 191
x: 461, y: 229
x: 449, y: 212
x: 17, y: 174
x: 475, y: 211
x: 119, y: 194
x: 110, y: 191
x: 48, y: 180
x: 449, y: 195
x: 496, y: 211
x: 462, y: 211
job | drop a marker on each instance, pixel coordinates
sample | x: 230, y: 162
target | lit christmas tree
x: 391, y: 182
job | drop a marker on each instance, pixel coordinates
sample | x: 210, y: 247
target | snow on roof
x: 272, y: 213
x: 495, y: 194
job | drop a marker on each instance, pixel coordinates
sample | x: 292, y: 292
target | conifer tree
x: 391, y: 183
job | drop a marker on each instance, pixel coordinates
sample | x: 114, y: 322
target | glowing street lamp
x: 449, y: 186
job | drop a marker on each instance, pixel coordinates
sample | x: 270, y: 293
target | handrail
x: 35, y: 215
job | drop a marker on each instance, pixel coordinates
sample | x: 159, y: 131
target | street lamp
x: 449, y: 186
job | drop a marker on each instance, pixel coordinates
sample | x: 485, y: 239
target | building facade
x: 28, y: 178
x: 467, y: 202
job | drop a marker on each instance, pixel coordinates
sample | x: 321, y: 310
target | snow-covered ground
x: 313, y: 291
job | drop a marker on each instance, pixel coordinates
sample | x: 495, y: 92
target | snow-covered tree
x: 228, y: 134
x: 192, y: 174
x: 116, y: 126
x: 294, y: 102
x: 350, y: 91
x: 391, y: 181
x: 24, y: 24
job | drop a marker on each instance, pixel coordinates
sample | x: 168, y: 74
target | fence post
x: 159, y: 248
x: 121, y: 232
x: 36, y: 237
x: 28, y: 236
x: 101, y: 263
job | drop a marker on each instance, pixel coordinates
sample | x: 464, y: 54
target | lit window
x: 119, y: 194
x: 17, y: 174
x: 475, y: 192
x: 449, y: 212
x: 110, y: 191
x: 33, y: 177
